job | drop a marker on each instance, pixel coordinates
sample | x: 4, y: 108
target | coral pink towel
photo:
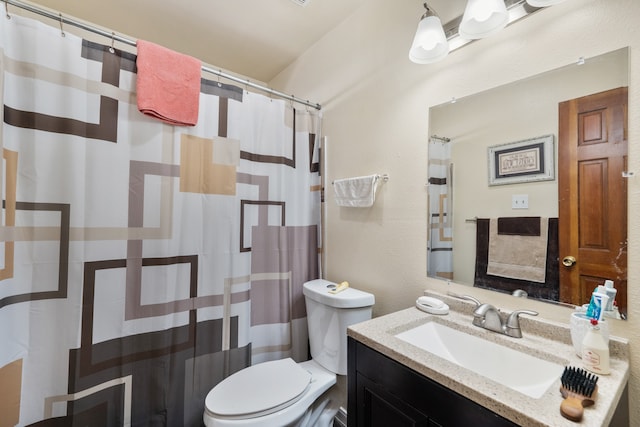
x: 168, y: 84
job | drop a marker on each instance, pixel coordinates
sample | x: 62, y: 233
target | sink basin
x: 517, y: 370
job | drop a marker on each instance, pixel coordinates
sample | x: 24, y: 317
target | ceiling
x: 253, y: 38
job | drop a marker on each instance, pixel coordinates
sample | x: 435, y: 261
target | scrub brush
x: 579, y: 390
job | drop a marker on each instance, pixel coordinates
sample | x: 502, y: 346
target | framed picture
x: 522, y: 161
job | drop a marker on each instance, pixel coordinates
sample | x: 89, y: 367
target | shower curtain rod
x: 114, y: 37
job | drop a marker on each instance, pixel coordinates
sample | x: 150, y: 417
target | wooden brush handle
x: 571, y: 408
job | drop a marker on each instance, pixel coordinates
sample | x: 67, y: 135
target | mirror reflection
x: 527, y: 187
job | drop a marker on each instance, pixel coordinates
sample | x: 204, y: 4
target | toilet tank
x: 328, y: 316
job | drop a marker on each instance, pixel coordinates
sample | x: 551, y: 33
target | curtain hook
x: 6, y: 8
x: 219, y: 74
x: 112, y: 49
x: 61, y: 28
x: 246, y: 87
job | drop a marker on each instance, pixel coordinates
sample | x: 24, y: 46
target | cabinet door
x: 379, y: 408
x: 383, y: 392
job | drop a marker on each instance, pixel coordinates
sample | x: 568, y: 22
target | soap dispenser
x: 595, y: 351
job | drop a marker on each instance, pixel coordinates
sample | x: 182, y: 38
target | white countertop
x: 544, y: 339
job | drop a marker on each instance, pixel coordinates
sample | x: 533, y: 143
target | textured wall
x: 376, y: 106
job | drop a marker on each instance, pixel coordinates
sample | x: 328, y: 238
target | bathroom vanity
x: 387, y: 393
x: 395, y: 382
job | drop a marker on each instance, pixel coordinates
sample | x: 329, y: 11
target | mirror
x: 513, y: 118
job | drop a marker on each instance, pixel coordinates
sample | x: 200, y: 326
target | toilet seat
x: 258, y: 390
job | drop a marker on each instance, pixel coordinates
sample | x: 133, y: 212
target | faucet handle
x: 512, y: 325
x: 465, y: 297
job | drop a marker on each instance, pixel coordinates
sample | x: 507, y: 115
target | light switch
x: 520, y: 201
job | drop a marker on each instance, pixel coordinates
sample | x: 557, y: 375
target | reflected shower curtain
x: 142, y: 263
x: 440, y: 245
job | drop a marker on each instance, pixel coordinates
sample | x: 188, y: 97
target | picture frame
x: 528, y: 160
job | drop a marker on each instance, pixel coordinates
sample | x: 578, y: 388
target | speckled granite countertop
x: 546, y: 340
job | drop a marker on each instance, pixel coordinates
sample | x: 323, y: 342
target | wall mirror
x: 477, y: 201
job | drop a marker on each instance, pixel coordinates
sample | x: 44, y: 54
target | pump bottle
x: 595, y: 351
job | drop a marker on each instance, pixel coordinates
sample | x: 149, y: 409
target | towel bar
x: 384, y: 177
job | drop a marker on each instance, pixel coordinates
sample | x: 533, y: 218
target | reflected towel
x: 519, y: 225
x: 358, y: 192
x: 168, y: 84
x: 518, y: 257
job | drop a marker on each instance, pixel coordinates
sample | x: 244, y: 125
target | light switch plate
x: 520, y: 201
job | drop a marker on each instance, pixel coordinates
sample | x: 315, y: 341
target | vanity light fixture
x: 430, y: 43
x: 482, y: 18
x: 433, y: 41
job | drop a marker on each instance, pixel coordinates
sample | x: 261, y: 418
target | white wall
x: 376, y: 106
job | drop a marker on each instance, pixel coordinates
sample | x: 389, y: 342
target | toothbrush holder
x: 579, y: 325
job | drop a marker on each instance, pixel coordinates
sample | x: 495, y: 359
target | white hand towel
x: 358, y: 192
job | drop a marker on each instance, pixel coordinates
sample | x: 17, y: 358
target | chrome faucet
x: 488, y: 317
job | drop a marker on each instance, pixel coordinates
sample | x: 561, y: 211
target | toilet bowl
x: 285, y: 393
x: 270, y: 394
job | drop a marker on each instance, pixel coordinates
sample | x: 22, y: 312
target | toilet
x: 285, y: 393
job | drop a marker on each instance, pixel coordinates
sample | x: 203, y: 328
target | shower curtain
x: 440, y: 244
x: 142, y: 263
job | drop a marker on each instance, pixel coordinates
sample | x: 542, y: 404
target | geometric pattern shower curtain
x: 440, y: 244
x: 142, y: 263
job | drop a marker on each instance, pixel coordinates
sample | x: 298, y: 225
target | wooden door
x: 592, y: 227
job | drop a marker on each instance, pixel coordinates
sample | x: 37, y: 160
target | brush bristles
x: 578, y: 381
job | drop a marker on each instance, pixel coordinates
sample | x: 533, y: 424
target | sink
x: 519, y: 371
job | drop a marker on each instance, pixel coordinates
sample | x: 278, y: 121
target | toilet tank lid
x: 318, y: 290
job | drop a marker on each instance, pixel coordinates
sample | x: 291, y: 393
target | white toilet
x: 284, y: 393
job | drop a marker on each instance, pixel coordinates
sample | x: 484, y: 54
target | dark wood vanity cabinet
x: 384, y: 393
